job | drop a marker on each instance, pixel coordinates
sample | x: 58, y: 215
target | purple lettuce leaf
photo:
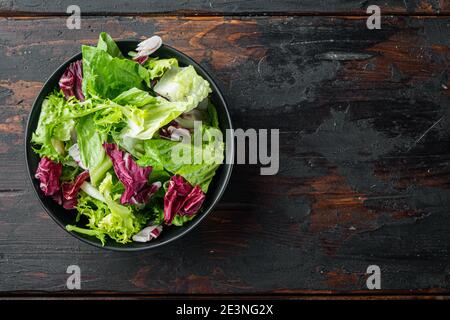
x: 133, y: 176
x: 174, y: 131
x: 181, y: 198
x: 193, y: 202
x: 141, y: 60
x: 71, y: 81
x: 48, y: 173
x: 70, y: 190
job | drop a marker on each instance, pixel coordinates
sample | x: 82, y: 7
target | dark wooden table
x: 364, y: 119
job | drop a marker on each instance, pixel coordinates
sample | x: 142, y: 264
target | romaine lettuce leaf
x: 107, y: 76
x: 106, y: 43
x: 184, y: 88
x: 167, y: 154
x: 146, y: 114
x: 183, y: 85
x: 131, y: 145
x: 136, y: 98
x: 212, y: 114
x: 90, y: 143
x: 143, y: 123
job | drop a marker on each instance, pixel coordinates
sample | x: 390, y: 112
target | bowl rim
x: 227, y: 165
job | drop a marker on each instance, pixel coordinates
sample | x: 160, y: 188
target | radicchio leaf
x: 48, y: 173
x: 141, y: 60
x: 173, y: 131
x: 144, y: 195
x: 71, y: 81
x: 133, y: 177
x: 148, y: 233
x: 70, y: 190
x: 181, y: 198
x: 193, y: 202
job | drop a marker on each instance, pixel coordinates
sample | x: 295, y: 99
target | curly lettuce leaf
x: 109, y: 119
x: 120, y: 224
x: 94, y: 210
x: 99, y: 234
x: 54, y: 126
x: 180, y: 220
x: 108, y: 217
x: 157, y: 67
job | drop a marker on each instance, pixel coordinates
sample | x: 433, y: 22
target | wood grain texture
x: 364, y: 159
x: 222, y: 7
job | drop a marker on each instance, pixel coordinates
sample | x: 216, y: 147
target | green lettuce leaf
x: 133, y: 146
x: 180, y: 220
x: 108, y: 218
x: 136, y: 98
x: 94, y: 210
x: 90, y: 232
x: 184, y: 88
x: 120, y: 224
x: 197, y: 164
x: 212, y: 114
x: 183, y: 85
x: 106, y: 43
x: 109, y: 119
x: 107, y: 76
x: 146, y: 114
x: 143, y: 123
x: 90, y: 143
x: 156, y: 67
x: 70, y: 172
x: 54, y: 126
x: 78, y: 109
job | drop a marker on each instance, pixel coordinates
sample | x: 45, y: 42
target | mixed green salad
x: 129, y: 142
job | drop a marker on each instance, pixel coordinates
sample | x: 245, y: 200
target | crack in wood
x: 189, y: 14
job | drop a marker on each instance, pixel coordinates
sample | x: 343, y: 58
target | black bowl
x: 218, y: 185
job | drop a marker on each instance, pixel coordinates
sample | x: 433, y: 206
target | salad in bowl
x: 127, y: 144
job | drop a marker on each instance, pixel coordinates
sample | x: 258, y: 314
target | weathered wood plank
x: 223, y: 7
x: 364, y: 158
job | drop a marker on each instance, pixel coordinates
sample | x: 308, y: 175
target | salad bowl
x: 217, y: 187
